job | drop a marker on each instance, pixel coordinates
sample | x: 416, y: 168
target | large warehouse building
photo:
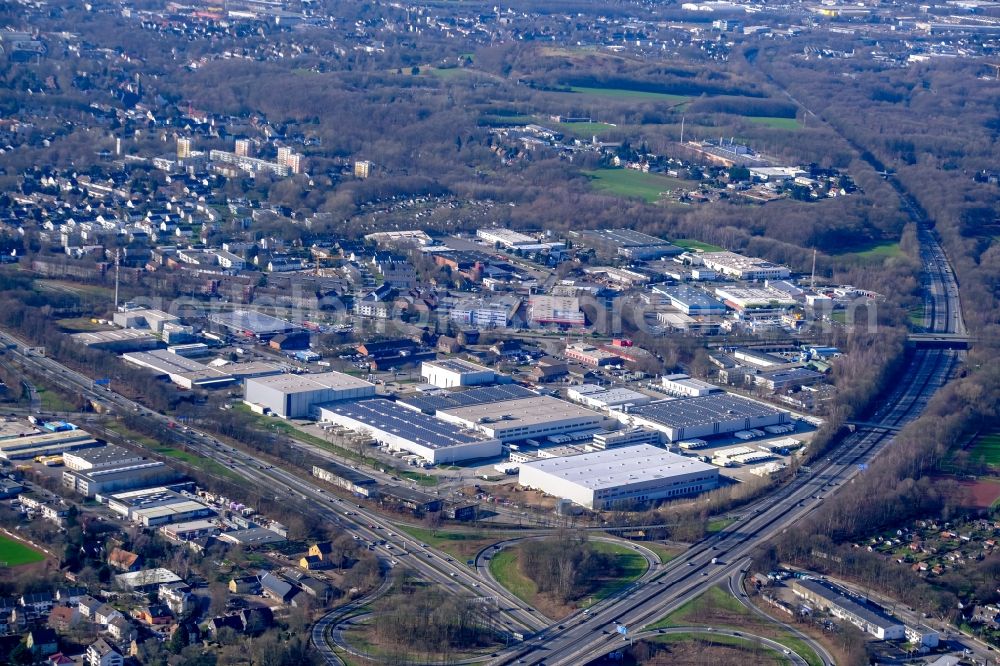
x: 526, y: 418
x: 604, y: 479
x: 454, y: 372
x: 294, y: 396
x: 403, y: 429
x: 703, y: 416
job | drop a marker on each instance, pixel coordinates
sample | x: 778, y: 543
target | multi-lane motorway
x: 715, y: 558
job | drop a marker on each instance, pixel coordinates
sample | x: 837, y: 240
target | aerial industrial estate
x: 428, y: 333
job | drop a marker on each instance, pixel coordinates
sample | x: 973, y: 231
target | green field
x: 718, y: 524
x: 720, y: 639
x: 496, y: 119
x: 13, y: 553
x: 987, y: 448
x: 635, y: 95
x: 504, y: 567
x: 632, y: 183
x: 775, y: 122
x: 585, y: 130
x: 53, y: 401
x: 691, y: 244
x: 717, y: 608
x: 460, y: 545
x: 877, y: 252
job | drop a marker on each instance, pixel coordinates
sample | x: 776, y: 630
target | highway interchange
x: 586, y: 635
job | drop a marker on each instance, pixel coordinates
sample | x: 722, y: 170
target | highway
x: 312, y: 499
x: 692, y: 573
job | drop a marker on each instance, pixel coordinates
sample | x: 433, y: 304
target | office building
x: 294, y: 396
x: 587, y: 354
x: 561, y: 310
x: 452, y: 373
x: 402, y: 429
x: 523, y: 418
x: 692, y: 301
x: 619, y: 476
x: 702, y: 416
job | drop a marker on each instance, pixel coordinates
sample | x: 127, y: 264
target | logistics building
x: 109, y: 479
x: 604, y: 479
x: 524, y: 418
x: 125, y: 340
x: 742, y: 299
x: 98, y: 457
x: 182, y: 371
x: 454, y: 372
x: 561, y: 310
x: 157, y: 506
x: 403, y: 429
x: 692, y: 301
x: 713, y: 414
x: 45, y: 444
x: 295, y: 396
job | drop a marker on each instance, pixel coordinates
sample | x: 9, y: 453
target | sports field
x: 987, y: 448
x: 14, y: 553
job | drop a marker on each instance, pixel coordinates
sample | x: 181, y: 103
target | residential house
x: 313, y: 563
x: 63, y: 617
x: 102, y: 653
x: 217, y: 624
x: 59, y: 659
x: 88, y: 606
x: 256, y: 620
x: 121, y: 629
x: 177, y: 597
x: 71, y: 595
x: 124, y: 560
x: 105, y: 613
x: 154, y: 615
x: 42, y: 641
x: 38, y: 602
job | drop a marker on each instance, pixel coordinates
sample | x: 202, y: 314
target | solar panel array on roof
x: 477, y: 396
x: 386, y: 416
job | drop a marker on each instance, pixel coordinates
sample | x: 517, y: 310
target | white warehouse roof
x: 290, y: 383
x: 617, y: 467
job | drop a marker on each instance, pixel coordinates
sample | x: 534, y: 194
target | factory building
x: 788, y: 378
x: 252, y: 324
x: 605, y: 479
x: 454, y: 372
x: 599, y: 397
x: 757, y: 299
x: 346, y: 478
x: 125, y: 340
x: 182, y: 371
x: 294, y: 396
x: 157, y: 506
x: 109, y: 479
x: 561, y: 310
x: 627, y: 243
x: 692, y: 301
x: 45, y: 444
x: 99, y: 457
x: 840, y: 605
x: 682, y: 385
x: 524, y: 418
x: 743, y: 268
x: 154, y: 320
x: 403, y: 429
x: 581, y: 352
x: 714, y: 414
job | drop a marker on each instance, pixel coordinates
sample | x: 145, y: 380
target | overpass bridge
x: 939, y: 340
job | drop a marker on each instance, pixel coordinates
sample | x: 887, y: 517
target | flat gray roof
x: 622, y: 466
x: 290, y: 383
x: 687, y: 412
x: 474, y: 396
x: 522, y: 412
x: 457, y: 365
x: 251, y: 320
